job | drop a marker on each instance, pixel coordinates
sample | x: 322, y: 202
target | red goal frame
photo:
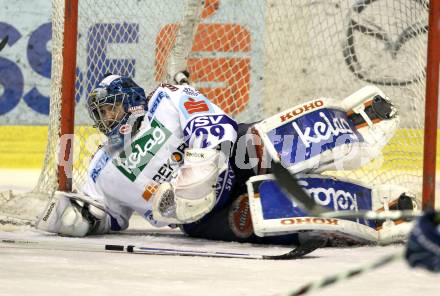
x: 431, y: 103
x: 68, y: 95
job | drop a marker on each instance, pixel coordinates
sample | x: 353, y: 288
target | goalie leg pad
x: 273, y: 213
x: 321, y: 134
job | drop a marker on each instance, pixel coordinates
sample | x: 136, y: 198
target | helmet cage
x: 121, y: 91
x: 105, y: 125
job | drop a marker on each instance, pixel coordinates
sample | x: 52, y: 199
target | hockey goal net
x: 253, y: 58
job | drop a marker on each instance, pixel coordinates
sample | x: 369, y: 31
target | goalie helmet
x: 117, y: 106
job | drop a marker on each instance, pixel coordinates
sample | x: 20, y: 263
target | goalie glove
x: 192, y: 194
x: 72, y: 214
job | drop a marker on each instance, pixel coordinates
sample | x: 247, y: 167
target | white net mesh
x: 48, y: 177
x: 30, y: 204
x: 255, y: 58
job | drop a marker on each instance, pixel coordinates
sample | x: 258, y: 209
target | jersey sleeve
x: 119, y: 215
x: 119, y: 194
x: 203, y: 123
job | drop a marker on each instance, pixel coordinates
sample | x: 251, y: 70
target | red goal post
x: 432, y: 94
x: 67, y: 112
x: 254, y: 58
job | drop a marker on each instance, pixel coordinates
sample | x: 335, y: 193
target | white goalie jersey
x: 178, y: 118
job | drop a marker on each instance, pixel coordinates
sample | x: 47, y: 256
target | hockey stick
x: 333, y: 279
x: 296, y: 193
x: 372, y: 215
x: 4, y: 42
x: 177, y: 69
x: 15, y: 221
x: 296, y: 253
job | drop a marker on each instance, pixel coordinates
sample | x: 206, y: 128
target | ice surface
x: 25, y: 271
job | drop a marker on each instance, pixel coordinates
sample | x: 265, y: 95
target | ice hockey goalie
x: 176, y: 158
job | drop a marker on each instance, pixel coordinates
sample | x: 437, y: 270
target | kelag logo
x: 132, y: 162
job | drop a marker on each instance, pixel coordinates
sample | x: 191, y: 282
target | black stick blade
x: 4, y: 42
